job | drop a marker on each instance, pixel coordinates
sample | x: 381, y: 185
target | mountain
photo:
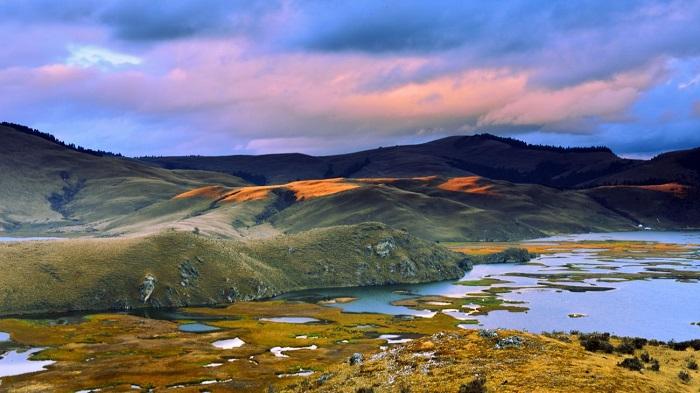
x: 204, y: 230
x: 483, y: 155
x: 453, y: 189
x: 46, y: 184
x: 674, y: 167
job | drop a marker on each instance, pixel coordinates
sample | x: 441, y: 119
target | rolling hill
x: 429, y: 190
x: 484, y: 155
x: 47, y: 185
x: 175, y: 268
x: 204, y: 230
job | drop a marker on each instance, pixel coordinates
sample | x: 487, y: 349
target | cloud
x: 310, y: 75
x: 145, y: 21
x: 86, y: 56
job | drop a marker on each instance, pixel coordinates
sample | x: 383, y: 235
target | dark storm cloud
x: 143, y: 20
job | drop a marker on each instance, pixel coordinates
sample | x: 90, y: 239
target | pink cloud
x: 286, y: 99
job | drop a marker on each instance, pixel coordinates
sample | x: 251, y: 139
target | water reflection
x: 653, y: 308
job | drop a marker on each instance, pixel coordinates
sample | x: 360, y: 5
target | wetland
x: 617, y: 284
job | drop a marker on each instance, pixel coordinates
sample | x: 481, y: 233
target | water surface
x: 197, y: 328
x: 17, y: 362
x: 26, y: 239
x: 655, y: 308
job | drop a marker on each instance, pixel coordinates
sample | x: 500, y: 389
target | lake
x: 653, y: 308
x: 25, y: 239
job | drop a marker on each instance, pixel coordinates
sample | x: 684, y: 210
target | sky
x: 214, y: 77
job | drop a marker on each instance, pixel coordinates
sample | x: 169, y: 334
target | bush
x: 632, y: 363
x: 477, y: 385
x: 692, y: 364
x: 596, y: 342
x: 365, y: 390
x: 683, y: 345
x: 654, y: 365
x: 684, y: 376
x: 645, y: 357
x: 625, y: 347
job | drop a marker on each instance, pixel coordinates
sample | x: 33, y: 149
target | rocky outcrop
x: 385, y: 247
x: 188, y: 273
x: 356, y: 358
x: 147, y: 287
x: 509, y: 255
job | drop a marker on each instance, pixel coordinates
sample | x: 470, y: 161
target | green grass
x: 106, y: 273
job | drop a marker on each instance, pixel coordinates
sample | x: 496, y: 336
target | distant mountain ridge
x: 484, y: 155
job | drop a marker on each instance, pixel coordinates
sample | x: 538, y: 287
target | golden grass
x: 303, y: 190
x: 245, y: 194
x: 469, y: 184
x: 113, y: 351
x: 211, y: 192
x: 443, y: 362
x: 604, y: 249
x: 677, y: 189
x: 380, y: 180
x: 307, y: 189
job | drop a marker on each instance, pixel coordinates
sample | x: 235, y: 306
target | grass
x: 103, y: 274
x: 452, y: 361
x: 125, y: 350
x: 599, y: 249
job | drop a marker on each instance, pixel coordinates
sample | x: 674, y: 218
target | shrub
x: 365, y: 390
x: 632, y: 363
x: 684, y: 376
x: 692, y: 364
x: 477, y: 385
x: 596, y: 342
x: 683, y: 345
x: 645, y: 357
x: 654, y: 365
x: 626, y: 347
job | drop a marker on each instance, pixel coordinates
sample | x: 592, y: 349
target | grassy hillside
x: 506, y: 361
x: 52, y: 188
x: 45, y: 185
x: 434, y: 209
x: 176, y: 268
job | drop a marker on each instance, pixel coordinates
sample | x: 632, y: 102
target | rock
x: 356, y: 358
x: 147, y: 286
x: 509, y: 342
x: 385, y: 247
x: 407, y: 268
x: 488, y: 333
x: 324, y: 378
x: 188, y: 273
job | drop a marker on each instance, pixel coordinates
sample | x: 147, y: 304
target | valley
x: 269, y: 273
